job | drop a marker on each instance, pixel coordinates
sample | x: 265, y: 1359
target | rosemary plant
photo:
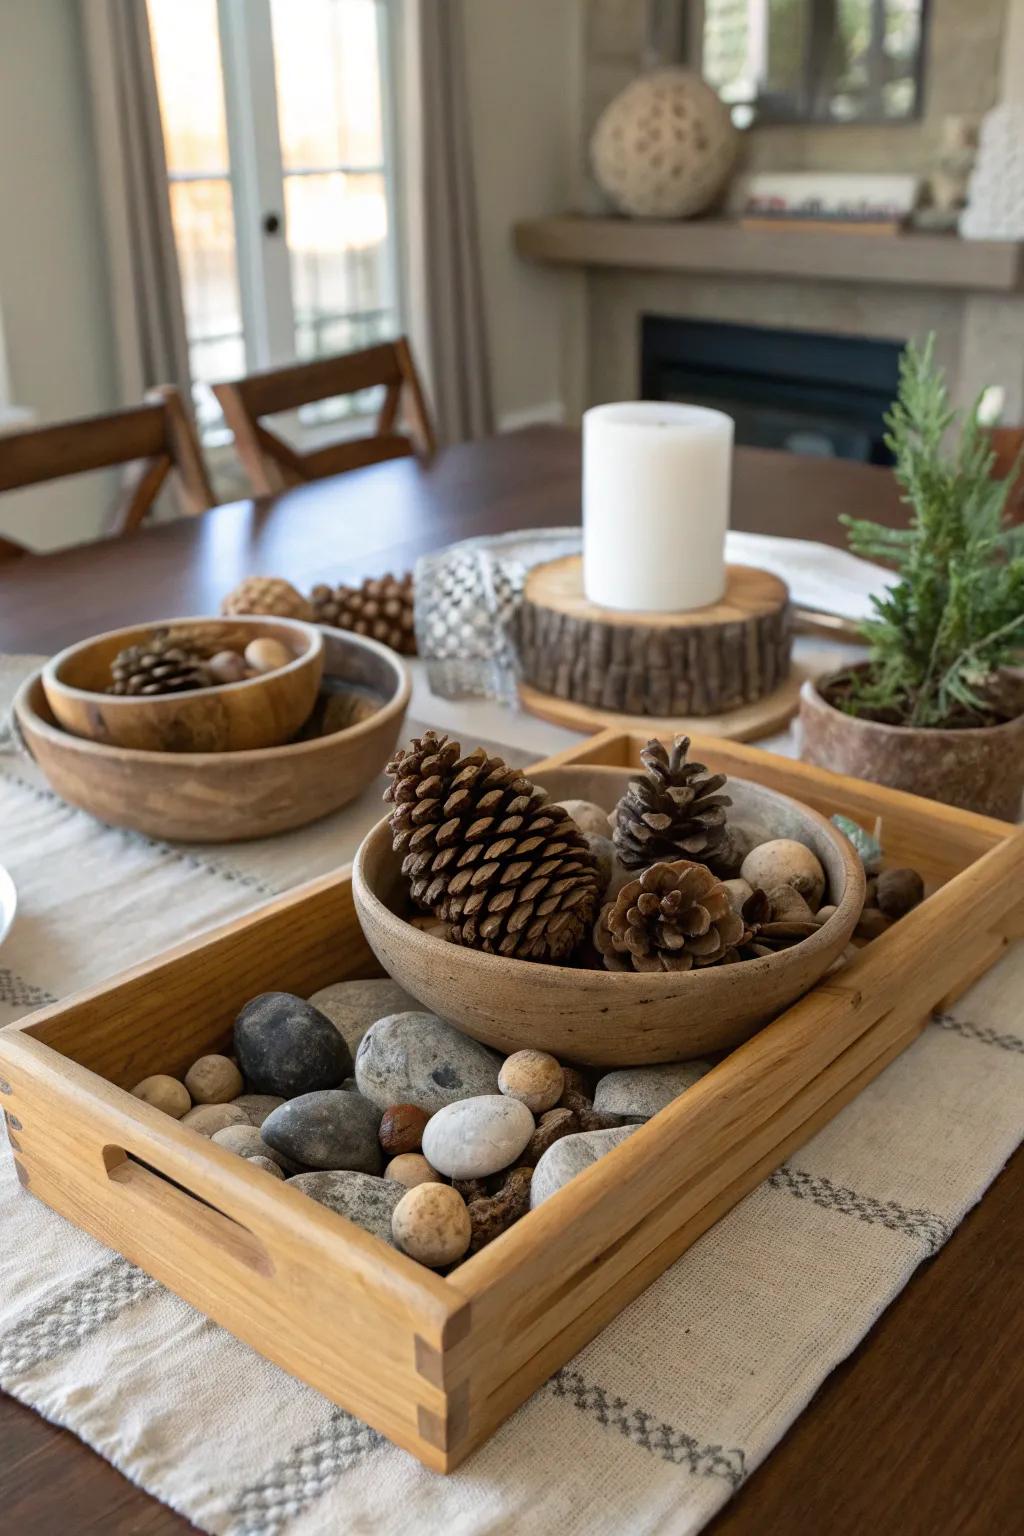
x: 941, y: 636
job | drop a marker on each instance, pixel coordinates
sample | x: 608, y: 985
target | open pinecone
x: 162, y: 664
x: 485, y: 853
x: 674, y: 811
x: 381, y: 608
x: 673, y: 918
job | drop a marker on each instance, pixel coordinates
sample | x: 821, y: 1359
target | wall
x: 52, y: 269
x: 525, y: 63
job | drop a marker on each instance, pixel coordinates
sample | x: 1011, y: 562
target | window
x: 278, y: 142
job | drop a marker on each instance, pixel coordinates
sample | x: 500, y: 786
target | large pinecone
x: 485, y: 853
x: 268, y: 594
x: 673, y: 918
x: 674, y: 811
x: 163, y: 664
x: 381, y: 608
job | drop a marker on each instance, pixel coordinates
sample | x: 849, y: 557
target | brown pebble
x: 209, y: 1118
x: 410, y: 1169
x: 898, y: 891
x: 164, y: 1093
x: 534, y: 1078
x: 401, y: 1128
x: 431, y: 1223
x: 471, y: 1189
x: 552, y: 1126
x: 490, y: 1217
x: 871, y: 924
x: 214, y: 1080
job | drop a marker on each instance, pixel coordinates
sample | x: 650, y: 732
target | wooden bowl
x: 601, y: 1018
x: 263, y: 711
x: 221, y: 797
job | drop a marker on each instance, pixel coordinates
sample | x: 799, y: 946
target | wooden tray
x: 438, y: 1363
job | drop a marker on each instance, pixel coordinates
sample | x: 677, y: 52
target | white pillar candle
x: 655, y: 505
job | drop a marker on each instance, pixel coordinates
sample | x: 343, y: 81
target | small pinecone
x: 160, y: 665
x: 673, y: 918
x: 381, y: 609
x: 675, y: 811
x: 268, y: 594
x: 484, y: 852
x: 771, y: 926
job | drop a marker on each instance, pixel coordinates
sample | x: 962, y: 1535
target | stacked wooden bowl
x: 225, y: 764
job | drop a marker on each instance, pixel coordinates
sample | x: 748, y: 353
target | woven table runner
x: 649, y: 1429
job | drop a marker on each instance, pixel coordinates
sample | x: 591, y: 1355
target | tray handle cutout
x: 176, y: 1203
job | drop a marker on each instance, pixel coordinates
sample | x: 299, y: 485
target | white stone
x: 477, y: 1137
x: 643, y: 1091
x: 570, y: 1156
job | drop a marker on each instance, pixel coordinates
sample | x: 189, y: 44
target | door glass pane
x: 337, y: 235
x: 328, y: 83
x: 186, y: 52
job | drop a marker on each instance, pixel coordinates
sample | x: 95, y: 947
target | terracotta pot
x: 977, y: 770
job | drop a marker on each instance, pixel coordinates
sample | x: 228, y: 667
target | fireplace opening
x: 803, y: 391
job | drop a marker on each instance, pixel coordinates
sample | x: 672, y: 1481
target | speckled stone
x: 431, y: 1224
x: 416, y: 1058
x: 570, y: 1156
x: 641, y: 1092
x: 368, y: 1201
x: 477, y: 1137
x: 213, y: 1080
x: 286, y: 1047
x: 207, y: 1119
x: 246, y: 1141
x: 268, y: 1166
x: 257, y: 1106
x: 329, y: 1129
x: 352, y: 1006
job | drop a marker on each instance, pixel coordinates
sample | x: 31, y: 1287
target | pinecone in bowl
x: 161, y: 664
x: 486, y: 853
x: 675, y: 810
x: 674, y: 917
x: 381, y: 608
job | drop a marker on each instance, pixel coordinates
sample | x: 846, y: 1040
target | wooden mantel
x: 724, y: 246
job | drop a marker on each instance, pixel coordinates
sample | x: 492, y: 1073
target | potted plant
x: 936, y: 708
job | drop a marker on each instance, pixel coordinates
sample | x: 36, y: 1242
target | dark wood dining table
x: 919, y: 1430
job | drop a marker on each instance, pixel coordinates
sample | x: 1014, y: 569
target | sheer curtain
x: 146, y: 306
x: 444, y: 281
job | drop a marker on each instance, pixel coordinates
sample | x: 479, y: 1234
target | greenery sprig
x: 941, y: 634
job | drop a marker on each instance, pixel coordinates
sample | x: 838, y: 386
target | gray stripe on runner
x: 922, y: 1225
x: 62, y: 1322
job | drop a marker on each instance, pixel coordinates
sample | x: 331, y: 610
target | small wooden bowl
x: 263, y: 711
x: 603, y: 1018
x: 219, y: 797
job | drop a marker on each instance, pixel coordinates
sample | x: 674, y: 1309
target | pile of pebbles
x: 364, y: 1102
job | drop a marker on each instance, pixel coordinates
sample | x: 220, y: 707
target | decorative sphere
x: 664, y: 148
x: 266, y: 654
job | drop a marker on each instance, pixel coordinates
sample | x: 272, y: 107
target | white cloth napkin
x: 818, y: 576
x: 650, y: 1428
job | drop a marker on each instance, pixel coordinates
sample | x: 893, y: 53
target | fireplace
x: 803, y: 391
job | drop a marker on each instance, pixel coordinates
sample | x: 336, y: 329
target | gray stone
x: 257, y: 1106
x: 477, y: 1137
x: 366, y: 1200
x: 352, y: 1006
x: 641, y: 1092
x: 333, y: 1128
x: 286, y: 1047
x: 416, y: 1058
x: 246, y: 1141
x: 570, y: 1156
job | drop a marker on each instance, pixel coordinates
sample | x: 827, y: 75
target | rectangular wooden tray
x: 438, y: 1363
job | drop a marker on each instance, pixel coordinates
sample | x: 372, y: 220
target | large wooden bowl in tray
x: 437, y: 1363
x: 607, y: 1018
x: 221, y: 797
x: 261, y: 711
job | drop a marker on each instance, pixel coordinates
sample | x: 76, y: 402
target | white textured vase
x: 665, y: 147
x: 995, y: 197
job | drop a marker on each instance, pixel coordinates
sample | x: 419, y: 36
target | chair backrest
x: 154, y: 439
x: 272, y: 464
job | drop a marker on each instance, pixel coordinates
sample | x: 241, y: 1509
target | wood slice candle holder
x: 707, y: 662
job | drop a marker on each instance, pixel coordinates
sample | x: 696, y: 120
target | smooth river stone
x: 416, y: 1058
x: 570, y: 1156
x: 334, y: 1128
x: 641, y: 1092
x: 352, y: 1006
x: 476, y: 1137
x: 366, y: 1200
x: 257, y: 1106
x: 286, y: 1047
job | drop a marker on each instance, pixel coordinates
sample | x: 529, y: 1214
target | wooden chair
x: 154, y: 439
x: 272, y: 464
